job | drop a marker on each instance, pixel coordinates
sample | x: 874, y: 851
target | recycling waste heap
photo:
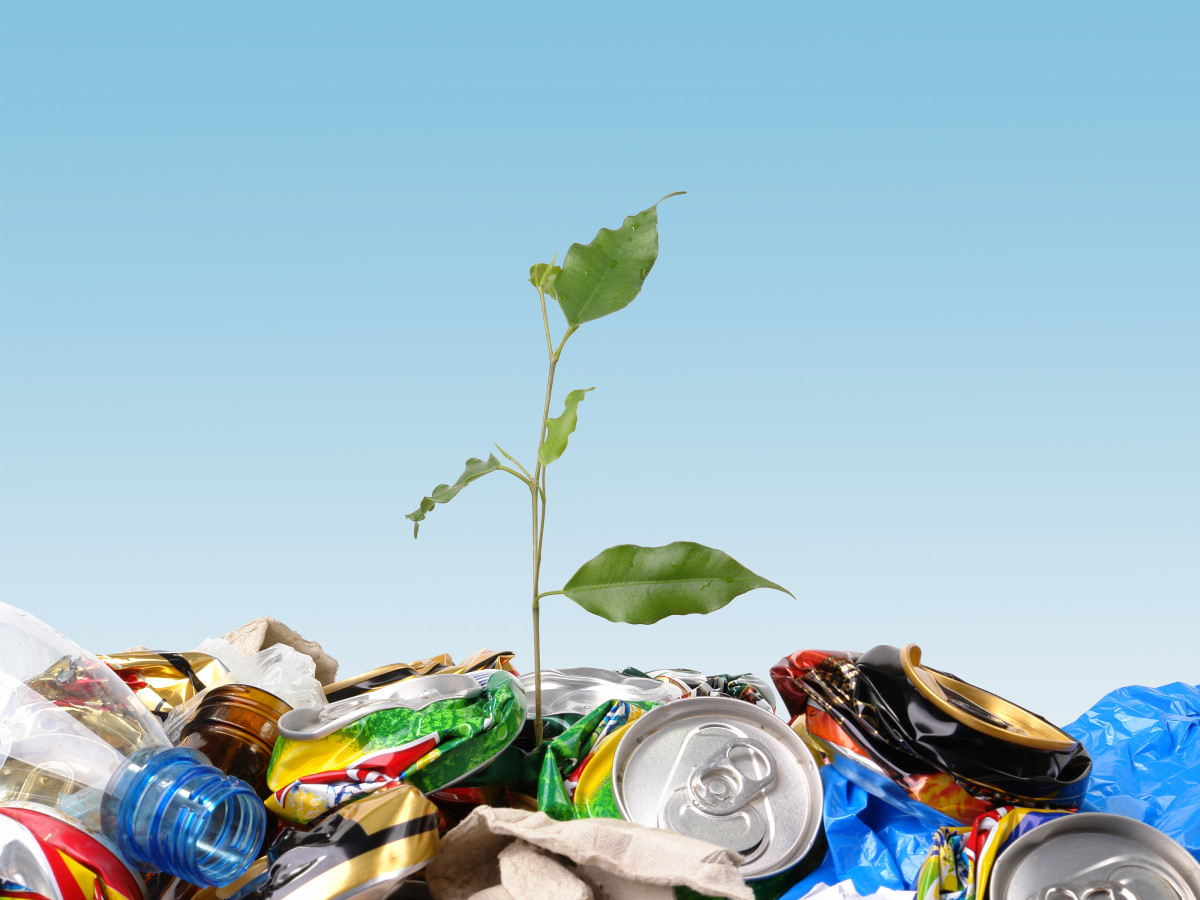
x: 243, y: 770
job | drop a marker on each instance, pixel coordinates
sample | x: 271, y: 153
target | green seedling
x: 639, y: 585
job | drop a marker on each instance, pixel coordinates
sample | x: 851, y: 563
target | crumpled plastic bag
x: 264, y: 632
x: 1145, y: 749
x: 510, y: 854
x: 872, y: 844
x: 279, y: 669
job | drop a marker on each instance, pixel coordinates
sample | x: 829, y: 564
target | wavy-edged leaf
x: 641, y: 585
x: 604, y: 276
x: 443, y: 493
x: 543, y: 275
x: 558, y: 430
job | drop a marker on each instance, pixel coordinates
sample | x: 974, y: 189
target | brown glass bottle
x: 235, y: 726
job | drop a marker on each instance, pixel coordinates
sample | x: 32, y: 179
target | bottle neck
x: 171, y: 811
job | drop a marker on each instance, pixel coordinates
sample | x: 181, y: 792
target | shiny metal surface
x: 676, y: 760
x: 1095, y: 856
x: 23, y: 862
x: 692, y: 679
x: 309, y: 724
x: 579, y: 690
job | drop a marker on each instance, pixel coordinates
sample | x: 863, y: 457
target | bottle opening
x: 170, y: 811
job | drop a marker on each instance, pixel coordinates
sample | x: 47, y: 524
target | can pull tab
x: 718, y: 786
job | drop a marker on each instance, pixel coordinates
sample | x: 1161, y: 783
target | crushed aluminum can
x: 577, y: 691
x: 728, y: 773
x: 1095, y: 855
x: 594, y: 796
x: 926, y: 741
x: 961, y: 858
x: 571, y: 754
x: 693, y: 683
x: 367, y: 850
x: 384, y: 676
x: 310, y: 723
x: 432, y: 732
x: 164, y: 680
x: 45, y: 858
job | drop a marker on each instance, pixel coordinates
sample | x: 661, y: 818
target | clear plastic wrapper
x: 76, y: 743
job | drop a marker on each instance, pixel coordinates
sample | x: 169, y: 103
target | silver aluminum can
x: 1094, y: 855
x: 728, y: 773
x: 580, y: 689
x: 694, y: 683
x: 310, y: 724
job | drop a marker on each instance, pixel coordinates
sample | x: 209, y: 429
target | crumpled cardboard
x: 264, y: 631
x: 511, y: 854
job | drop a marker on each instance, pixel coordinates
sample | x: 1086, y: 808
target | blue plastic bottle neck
x: 170, y: 811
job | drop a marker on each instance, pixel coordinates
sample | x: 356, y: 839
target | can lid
x: 309, y: 724
x: 724, y: 772
x: 981, y: 710
x: 1095, y: 855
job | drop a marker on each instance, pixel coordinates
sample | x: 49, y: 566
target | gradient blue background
x: 920, y: 344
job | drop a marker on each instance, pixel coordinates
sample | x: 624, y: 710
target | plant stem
x: 539, y: 531
x: 515, y: 474
x: 537, y: 486
x: 509, y: 457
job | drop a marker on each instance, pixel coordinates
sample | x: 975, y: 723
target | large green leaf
x: 443, y: 493
x: 558, y: 430
x: 604, y: 276
x: 641, y: 585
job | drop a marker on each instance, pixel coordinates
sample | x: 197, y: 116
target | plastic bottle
x: 75, y: 741
x: 235, y: 727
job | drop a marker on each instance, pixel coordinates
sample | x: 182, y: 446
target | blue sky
x: 920, y: 344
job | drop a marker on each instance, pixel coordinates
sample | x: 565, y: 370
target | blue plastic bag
x: 1145, y: 749
x: 871, y: 842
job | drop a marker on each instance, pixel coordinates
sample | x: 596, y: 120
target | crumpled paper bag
x: 512, y: 854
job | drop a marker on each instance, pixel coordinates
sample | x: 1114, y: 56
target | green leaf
x: 558, y: 430
x: 443, y: 493
x: 641, y: 585
x: 604, y: 276
x: 543, y: 275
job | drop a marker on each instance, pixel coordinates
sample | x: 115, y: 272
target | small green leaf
x: 558, y: 430
x: 641, y: 585
x: 443, y: 493
x: 543, y: 275
x: 604, y: 276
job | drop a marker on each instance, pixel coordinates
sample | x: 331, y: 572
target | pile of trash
x: 245, y: 770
